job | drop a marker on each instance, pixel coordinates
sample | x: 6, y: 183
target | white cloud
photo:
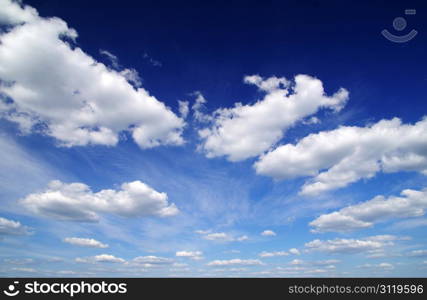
x: 410, y: 223
x: 352, y: 246
x: 242, y: 238
x: 76, y: 202
x: 198, y: 108
x: 10, y: 227
x: 348, y: 154
x: 297, y: 262
x: 221, y: 236
x: 418, y: 253
x: 294, y: 251
x: 85, y: 242
x: 236, y: 261
x: 183, y: 108
x: 196, y: 255
x: 246, y: 131
x: 152, y: 260
x: 273, y: 254
x: 218, y: 236
x: 326, y: 262
x: 79, y: 101
x: 12, y: 12
x: 412, y: 203
x: 113, y: 58
x: 102, y: 258
x: 268, y: 233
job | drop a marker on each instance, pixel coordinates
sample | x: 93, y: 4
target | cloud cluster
x: 84, y: 242
x: 246, y: 131
x: 221, y: 236
x: 338, y: 157
x: 102, y: 258
x: 152, y: 260
x: 76, y: 202
x: 273, y: 254
x: 412, y: 203
x: 195, y: 255
x: 372, y: 244
x: 10, y: 227
x: 49, y: 85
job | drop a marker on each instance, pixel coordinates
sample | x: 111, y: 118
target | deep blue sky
x: 210, y: 47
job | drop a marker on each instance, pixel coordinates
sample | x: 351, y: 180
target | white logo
x: 399, y: 24
x: 11, y: 292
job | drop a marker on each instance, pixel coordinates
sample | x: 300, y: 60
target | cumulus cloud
x: 411, y: 203
x: 76, y: 202
x: 78, y: 101
x: 10, y: 227
x: 221, y: 236
x: 294, y: 251
x: 12, y: 12
x: 183, y: 108
x: 152, y: 260
x: 268, y: 233
x: 273, y: 254
x: 102, y: 258
x: 85, y: 242
x: 195, y: 255
x: 236, y: 261
x: 246, y: 131
x: 339, y: 157
x: 352, y: 246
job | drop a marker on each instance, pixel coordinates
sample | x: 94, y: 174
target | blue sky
x: 184, y: 139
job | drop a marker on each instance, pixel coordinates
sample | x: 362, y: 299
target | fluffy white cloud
x: 151, y: 260
x: 268, y: 233
x: 13, y: 13
x: 412, y: 203
x: 248, y: 130
x: 352, y: 246
x: 294, y: 251
x: 76, y: 202
x: 102, y: 258
x: 236, y: 261
x: 77, y: 100
x: 196, y: 255
x: 10, y: 227
x: 273, y: 254
x: 348, y: 154
x: 221, y: 236
x: 183, y: 108
x: 85, y: 242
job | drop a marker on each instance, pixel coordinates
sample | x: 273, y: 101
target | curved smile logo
x: 399, y: 24
x: 11, y: 290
